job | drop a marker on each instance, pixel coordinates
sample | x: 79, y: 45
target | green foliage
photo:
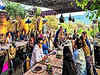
x: 52, y: 22
x: 82, y: 3
x: 80, y: 30
x: 99, y: 26
x: 15, y: 9
x: 95, y: 5
x: 5, y: 1
x: 38, y: 12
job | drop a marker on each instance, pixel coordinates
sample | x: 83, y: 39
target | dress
x: 68, y: 63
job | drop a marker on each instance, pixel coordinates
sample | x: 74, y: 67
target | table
x: 56, y: 67
x: 21, y: 43
x: 17, y: 43
x: 4, y: 48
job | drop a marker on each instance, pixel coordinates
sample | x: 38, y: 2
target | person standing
x: 45, y: 26
x: 56, y: 37
x: 75, y: 35
x: 79, y: 58
x: 68, y: 63
x: 89, y: 65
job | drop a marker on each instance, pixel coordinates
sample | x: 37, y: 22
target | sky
x: 78, y: 16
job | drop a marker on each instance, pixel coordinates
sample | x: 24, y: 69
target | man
x: 37, y: 53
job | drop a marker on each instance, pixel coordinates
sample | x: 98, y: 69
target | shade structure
x: 2, y: 6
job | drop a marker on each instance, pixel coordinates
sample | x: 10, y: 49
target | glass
x: 44, y: 67
x: 46, y: 60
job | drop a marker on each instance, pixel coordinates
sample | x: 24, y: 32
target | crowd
x: 77, y: 50
x: 77, y: 53
x: 40, y: 43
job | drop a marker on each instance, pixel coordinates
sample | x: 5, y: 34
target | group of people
x: 77, y: 53
x: 42, y: 48
x: 77, y: 50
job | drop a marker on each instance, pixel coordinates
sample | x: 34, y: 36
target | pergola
x: 57, y: 5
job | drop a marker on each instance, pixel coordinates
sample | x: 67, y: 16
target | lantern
x: 61, y: 19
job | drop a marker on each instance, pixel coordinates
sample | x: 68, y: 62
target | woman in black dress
x: 68, y: 63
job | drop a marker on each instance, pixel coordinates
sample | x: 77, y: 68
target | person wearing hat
x: 37, y: 53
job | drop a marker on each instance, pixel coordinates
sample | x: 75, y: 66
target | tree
x: 37, y: 12
x: 90, y: 5
x: 93, y: 6
x: 52, y: 22
x: 15, y: 9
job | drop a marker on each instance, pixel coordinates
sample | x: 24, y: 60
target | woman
x: 89, y: 66
x: 37, y: 53
x: 79, y: 58
x: 68, y: 63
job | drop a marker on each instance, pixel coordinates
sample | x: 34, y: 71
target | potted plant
x: 49, y: 69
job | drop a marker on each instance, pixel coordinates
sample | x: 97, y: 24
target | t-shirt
x: 37, y: 55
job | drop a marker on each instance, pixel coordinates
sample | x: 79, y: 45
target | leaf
x: 92, y: 7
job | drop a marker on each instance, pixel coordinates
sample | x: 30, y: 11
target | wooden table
x: 56, y: 67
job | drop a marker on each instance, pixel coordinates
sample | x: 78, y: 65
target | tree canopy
x: 14, y: 9
x: 90, y: 5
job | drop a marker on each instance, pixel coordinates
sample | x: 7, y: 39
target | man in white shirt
x: 37, y: 54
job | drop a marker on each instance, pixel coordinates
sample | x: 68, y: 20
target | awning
x: 2, y: 6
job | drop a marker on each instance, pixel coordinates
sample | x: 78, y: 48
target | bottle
x: 27, y: 63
